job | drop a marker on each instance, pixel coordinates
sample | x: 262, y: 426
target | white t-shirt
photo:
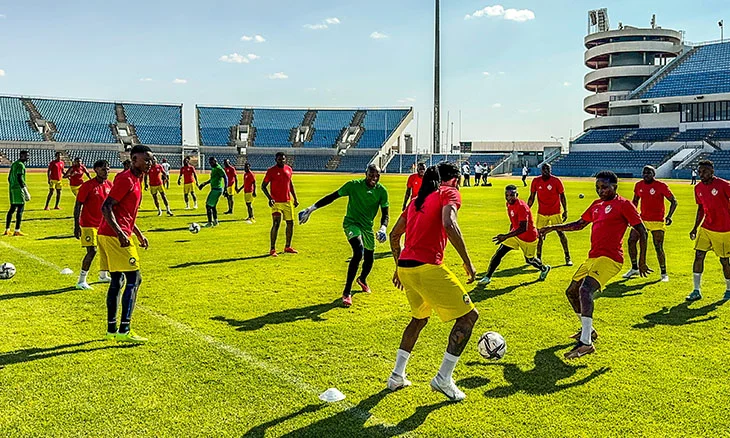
x: 465, y: 169
x: 525, y: 171
x: 477, y: 168
x: 166, y: 168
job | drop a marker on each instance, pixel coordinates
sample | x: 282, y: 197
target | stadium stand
x: 214, y: 125
x: 14, y: 121
x: 273, y: 126
x: 602, y: 136
x: 37, y: 158
x: 328, y: 126
x: 354, y: 163
x: 90, y: 156
x: 651, y: 135
x: 156, y: 124
x: 490, y: 159
x: 78, y: 121
x: 624, y: 163
x: 379, y: 125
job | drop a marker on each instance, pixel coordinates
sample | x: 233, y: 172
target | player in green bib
x: 366, y: 196
x: 217, y: 181
x: 19, y: 194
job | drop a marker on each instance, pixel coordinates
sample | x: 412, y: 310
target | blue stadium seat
x: 327, y: 127
x: 379, y: 125
x: 594, y: 136
x: 156, y: 124
x: 622, y: 162
x: 37, y: 158
x: 14, y: 121
x: 78, y: 121
x: 215, y: 124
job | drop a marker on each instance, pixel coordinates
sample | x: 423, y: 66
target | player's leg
x: 397, y: 378
x: 58, y: 198
x: 229, y: 198
x: 494, y: 263
x: 214, y: 213
x: 458, y: 338
x: 85, y: 267
x: 129, y: 298
x: 367, y: 266
x: 19, y: 218
x: 725, y: 262
x: 157, y: 204
x: 289, y: 233
x: 276, y: 221
x: 357, y: 250
x: 658, y: 237
x: 167, y: 204
x: 588, y: 287
x: 566, y: 250
x: 633, y: 254
x: 249, y: 207
x: 209, y: 213
x: 49, y: 197
x: 187, y: 202
x: 195, y: 199
x: 698, y: 267
x: 112, y: 302
x: 540, y: 242
x: 9, y: 218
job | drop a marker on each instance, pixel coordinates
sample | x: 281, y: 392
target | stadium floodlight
x: 721, y: 23
x: 437, y: 86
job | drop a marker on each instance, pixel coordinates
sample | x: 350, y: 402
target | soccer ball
x: 491, y: 345
x: 581, y: 196
x: 7, y: 271
x: 194, y: 228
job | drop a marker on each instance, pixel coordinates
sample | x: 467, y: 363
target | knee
x: 419, y: 324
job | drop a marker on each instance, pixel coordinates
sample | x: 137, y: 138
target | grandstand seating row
x: 651, y: 135
x: 622, y: 162
x: 14, y: 120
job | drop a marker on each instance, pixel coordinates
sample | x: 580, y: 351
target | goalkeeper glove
x: 381, y: 236
x: 26, y: 194
x: 304, y: 214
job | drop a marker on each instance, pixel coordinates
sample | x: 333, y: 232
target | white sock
x: 401, y: 360
x: 446, y: 371
x: 103, y: 274
x: 586, y: 323
x: 82, y: 276
x: 727, y: 284
x: 697, y: 279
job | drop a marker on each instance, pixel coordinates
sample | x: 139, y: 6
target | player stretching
x: 429, y: 285
x: 280, y: 201
x: 522, y: 235
x: 87, y: 218
x: 166, y: 168
x: 651, y: 193
x: 55, y: 174
x: 188, y: 175
x: 217, y: 182
x: 712, y: 195
x: 75, y: 175
x: 365, y: 197
x: 232, y: 183
x: 156, y: 179
x: 550, y: 196
x: 19, y: 194
x: 249, y: 191
x: 414, y: 184
x: 118, y: 247
x: 610, y: 216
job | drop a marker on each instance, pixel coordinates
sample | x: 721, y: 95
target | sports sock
x: 663, y: 270
x: 634, y: 265
x: 82, y: 276
x: 586, y: 323
x: 446, y: 371
x: 401, y: 360
x: 727, y: 283
x: 697, y: 280
x: 103, y: 275
x: 111, y: 301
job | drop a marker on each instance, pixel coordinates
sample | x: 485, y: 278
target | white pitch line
x: 32, y: 256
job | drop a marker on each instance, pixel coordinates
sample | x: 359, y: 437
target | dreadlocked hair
x: 433, y: 178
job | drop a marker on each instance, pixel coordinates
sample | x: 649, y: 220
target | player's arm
x: 572, y: 226
x: 384, y: 219
x: 108, y: 213
x: 327, y: 200
x: 143, y: 242
x: 406, y: 198
x: 195, y: 176
x: 531, y: 199
x: 225, y: 185
x: 254, y: 188
x: 499, y: 238
x: 67, y: 173
x: 643, y: 239
x: 293, y: 193
x: 146, y: 186
x: 395, y: 235
x: 453, y: 232
x: 635, y: 201
x: 77, y: 215
x: 266, y: 193
x: 86, y: 171
x: 48, y: 173
x: 179, y: 177
x: 672, y: 207
x: 698, y: 221
x: 564, y: 203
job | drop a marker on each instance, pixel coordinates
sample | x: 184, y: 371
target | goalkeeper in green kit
x: 19, y: 194
x: 365, y: 197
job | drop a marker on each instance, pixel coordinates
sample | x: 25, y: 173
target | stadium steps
x: 333, y: 162
x: 35, y: 117
x: 246, y: 117
x: 293, y: 138
x: 119, y: 111
x: 232, y: 135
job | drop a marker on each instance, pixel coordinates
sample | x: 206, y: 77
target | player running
x: 712, y: 195
x: 19, y: 194
x: 651, y: 193
x: 156, y: 179
x: 429, y: 285
x: 88, y: 218
x: 610, y: 216
x: 166, y: 168
x: 414, y: 184
x: 55, y: 175
x: 280, y: 200
x: 522, y: 235
x: 232, y: 183
x: 188, y: 175
x: 118, y: 238
x: 249, y: 191
x: 365, y: 196
x: 217, y: 182
x: 75, y: 175
x: 550, y: 196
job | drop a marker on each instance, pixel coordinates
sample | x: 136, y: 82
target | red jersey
x: 715, y: 201
x: 520, y: 212
x: 56, y: 169
x: 92, y: 194
x: 76, y: 177
x: 548, y: 195
x: 231, y: 175
x: 414, y: 183
x: 249, y: 182
x: 425, y: 233
x: 188, y: 174
x: 652, y: 199
x: 610, y: 220
x: 127, y: 191
x: 155, y: 175
x: 280, y: 179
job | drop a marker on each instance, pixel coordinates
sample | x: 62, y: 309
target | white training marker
x: 332, y: 395
x: 66, y: 271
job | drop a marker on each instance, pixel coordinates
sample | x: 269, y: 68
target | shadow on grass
x: 376, y: 256
x: 681, y: 314
x: 312, y: 313
x: 482, y: 292
x: 621, y: 289
x: 32, y: 219
x: 38, y: 293
x: 61, y: 237
x: 31, y: 354
x: 543, y: 379
x: 166, y: 230
x: 213, y: 262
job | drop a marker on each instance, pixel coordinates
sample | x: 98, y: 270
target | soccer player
x: 75, y: 175
x: 610, y: 215
x: 429, y: 285
x: 694, y: 177
x: 525, y: 172
x: 154, y: 182
x: 88, y: 218
x: 166, y: 168
x: 651, y: 193
x: 280, y: 198
x: 19, y: 194
x: 249, y: 191
x: 712, y: 195
x: 550, y: 196
x: 55, y: 174
x: 232, y: 181
x: 217, y: 181
x: 522, y: 235
x: 465, y: 173
x: 414, y: 184
x: 118, y: 239
x: 188, y: 175
x: 365, y: 196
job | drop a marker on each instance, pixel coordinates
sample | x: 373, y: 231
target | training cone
x: 332, y: 395
x: 66, y: 271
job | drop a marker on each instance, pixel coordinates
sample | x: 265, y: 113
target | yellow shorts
x: 655, y: 226
x: 75, y: 190
x: 188, y: 188
x: 114, y: 258
x: 231, y: 190
x: 55, y: 185
x: 435, y: 287
x: 716, y: 241
x: 157, y: 189
x: 88, y: 236
x: 600, y: 269
x: 248, y: 197
x: 529, y: 249
x: 285, y: 209
x: 544, y: 221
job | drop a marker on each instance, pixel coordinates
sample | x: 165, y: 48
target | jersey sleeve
x: 588, y: 214
x: 533, y: 186
x: 83, y: 193
x: 559, y: 186
x: 451, y: 197
x: 698, y: 199
x: 345, y: 189
x: 522, y: 213
x: 668, y: 192
x: 120, y: 188
x: 267, y: 177
x: 631, y: 213
x: 636, y: 189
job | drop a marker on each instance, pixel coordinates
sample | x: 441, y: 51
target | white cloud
x: 278, y: 75
x: 180, y: 81
x: 2, y: 72
x: 496, y: 105
x: 3, y: 16
x: 333, y: 20
x: 145, y: 79
x: 378, y: 36
x: 501, y: 72
x: 310, y: 89
x: 485, y: 73
x: 407, y: 100
x: 566, y: 84
x: 235, y: 58
x: 518, y: 15
x: 257, y: 38
x: 315, y: 26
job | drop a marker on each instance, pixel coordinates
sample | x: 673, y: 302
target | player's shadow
x: 213, y: 262
x: 38, y: 293
x: 482, y: 292
x: 61, y: 237
x: 622, y: 289
x: 376, y: 256
x: 165, y: 230
x: 260, y: 430
x: 681, y: 314
x: 545, y: 378
x: 32, y: 219
x: 312, y: 313
x: 31, y: 354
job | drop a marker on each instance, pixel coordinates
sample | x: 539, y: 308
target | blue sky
x: 328, y: 54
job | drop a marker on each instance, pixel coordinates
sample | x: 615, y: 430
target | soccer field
x: 242, y: 344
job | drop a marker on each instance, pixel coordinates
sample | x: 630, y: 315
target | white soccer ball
x: 7, y: 271
x: 491, y: 345
x: 194, y: 228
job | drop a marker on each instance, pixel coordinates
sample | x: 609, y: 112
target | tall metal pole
x: 437, y: 88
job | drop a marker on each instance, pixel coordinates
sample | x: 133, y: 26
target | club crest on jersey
x: 466, y: 299
x: 608, y: 209
x: 652, y: 191
x: 88, y: 238
x: 512, y: 213
x: 549, y: 187
x: 714, y: 192
x: 132, y: 261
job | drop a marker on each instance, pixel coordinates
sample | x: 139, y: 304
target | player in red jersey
x: 651, y: 193
x: 55, y: 175
x: 428, y: 222
x: 280, y: 200
x: 712, y: 195
x: 75, y: 175
x: 522, y: 235
x: 550, y: 197
x: 188, y: 175
x: 414, y: 184
x: 610, y: 216
x: 156, y: 179
x: 249, y: 191
x: 87, y: 218
x: 232, y: 183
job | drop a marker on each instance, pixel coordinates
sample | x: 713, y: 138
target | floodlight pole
x: 437, y: 88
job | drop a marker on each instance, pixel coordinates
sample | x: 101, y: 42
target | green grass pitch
x: 242, y: 344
